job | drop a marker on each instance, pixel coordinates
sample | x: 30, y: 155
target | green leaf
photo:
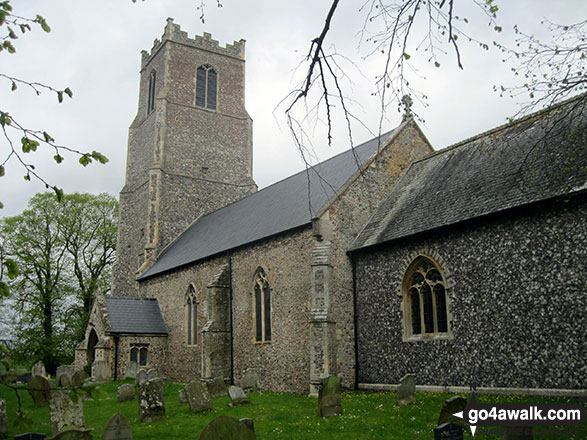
x: 85, y: 159
x: 43, y: 23
x: 1, y: 205
x: 2, y: 170
x: 58, y: 193
x: 4, y: 289
x: 73, y: 396
x: 407, y: 56
x: 47, y: 137
x: 436, y: 63
x: 11, y: 33
x: 60, y: 96
x: 58, y: 158
x: 27, y: 177
x: 99, y: 157
x: 11, y: 268
x: 13, y: 88
x: 68, y: 92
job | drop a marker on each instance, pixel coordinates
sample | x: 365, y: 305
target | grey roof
x: 539, y: 157
x: 134, y: 316
x: 283, y: 206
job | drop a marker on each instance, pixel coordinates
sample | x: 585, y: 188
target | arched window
x: 191, y: 311
x: 262, y: 306
x: 151, y: 99
x: 425, y: 302
x: 139, y: 355
x: 206, y: 87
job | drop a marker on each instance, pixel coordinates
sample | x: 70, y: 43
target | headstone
x: 40, y: 391
x: 249, y: 422
x: 237, y: 396
x: 217, y: 387
x: 448, y: 431
x: 453, y: 405
x: 30, y: 436
x: 141, y: 377
x: 117, y: 428
x: 101, y: 370
x: 250, y: 379
x: 39, y: 369
x: 517, y: 433
x: 198, y: 397
x: 226, y: 428
x: 132, y: 370
x: 73, y: 434
x: 152, y: 401
x: 183, y: 398
x: 64, y: 370
x: 330, y: 397
x: 3, y: 418
x: 152, y: 374
x: 126, y: 392
x: 64, y: 412
x: 77, y: 378
x: 406, y: 389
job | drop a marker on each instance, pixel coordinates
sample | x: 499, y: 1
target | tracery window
x: 262, y: 306
x: 206, y: 87
x: 139, y: 355
x: 151, y: 99
x: 191, y: 310
x: 425, y: 312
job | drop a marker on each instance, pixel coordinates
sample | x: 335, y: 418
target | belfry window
x: 206, y: 87
x: 262, y: 306
x: 151, y: 99
x: 191, y: 310
x: 425, y: 302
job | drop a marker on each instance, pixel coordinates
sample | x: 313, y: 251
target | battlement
x: 174, y: 33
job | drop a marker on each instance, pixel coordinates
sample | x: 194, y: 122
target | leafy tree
x: 64, y: 250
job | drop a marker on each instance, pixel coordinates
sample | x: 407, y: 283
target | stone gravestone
x: 330, y: 397
x: 77, y: 378
x: 3, y: 419
x: 406, y: 389
x: 132, y: 370
x: 198, y: 397
x: 30, y: 436
x: 101, y: 371
x: 64, y: 412
x: 183, y: 398
x: 226, y: 428
x: 73, y: 434
x: 237, y: 396
x: 152, y: 374
x: 117, y: 428
x: 40, y: 391
x: 517, y: 433
x: 249, y: 422
x: 64, y: 373
x: 250, y: 379
x: 39, y: 369
x: 141, y: 377
x: 125, y: 392
x: 453, y: 405
x: 217, y: 387
x: 448, y: 431
x: 152, y: 401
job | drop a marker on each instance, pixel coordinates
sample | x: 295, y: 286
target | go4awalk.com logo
x: 478, y: 414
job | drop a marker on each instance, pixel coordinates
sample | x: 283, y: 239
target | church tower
x: 189, y: 148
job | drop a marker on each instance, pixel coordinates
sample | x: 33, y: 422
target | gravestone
x: 237, y: 396
x: 64, y: 412
x: 152, y: 374
x: 77, y: 378
x: 101, y: 371
x: 39, y: 369
x: 40, y: 391
x: 141, y: 377
x: 183, y: 398
x: 249, y: 422
x: 217, y: 387
x: 3, y: 419
x: 64, y: 370
x: 198, y: 397
x: 125, y: 392
x: 250, y: 379
x: 152, y: 401
x: 30, y: 436
x: 517, y: 433
x: 117, y: 428
x: 226, y: 428
x: 132, y: 370
x: 73, y: 434
x: 448, y: 431
x: 406, y: 389
x: 453, y: 405
x: 330, y: 397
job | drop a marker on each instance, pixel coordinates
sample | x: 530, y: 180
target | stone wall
x: 157, y: 355
x: 516, y: 293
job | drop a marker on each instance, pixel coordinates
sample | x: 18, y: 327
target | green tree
x: 64, y: 250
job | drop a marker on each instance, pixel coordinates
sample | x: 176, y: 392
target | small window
x: 134, y: 354
x: 143, y: 356
x: 425, y: 302
x: 139, y: 355
x: 151, y: 99
x: 206, y: 87
x: 191, y: 307
x: 262, y: 306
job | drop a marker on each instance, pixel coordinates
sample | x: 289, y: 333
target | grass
x: 367, y: 415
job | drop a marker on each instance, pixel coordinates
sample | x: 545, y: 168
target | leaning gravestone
x: 40, y: 391
x: 141, y: 377
x: 30, y: 436
x: 73, y: 434
x: 117, y: 428
x: 39, y: 369
x: 227, y: 428
x: 217, y: 387
x: 406, y: 389
x: 125, y: 392
x: 64, y: 412
x: 132, y: 370
x: 453, y: 405
x: 77, y: 378
x: 448, y: 431
x: 152, y: 400
x: 63, y: 375
x: 198, y: 397
x: 330, y: 397
x: 250, y: 379
x: 101, y: 371
x: 3, y: 418
x: 237, y: 396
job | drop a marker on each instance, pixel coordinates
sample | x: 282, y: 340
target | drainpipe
x: 115, y: 357
x: 355, y: 320
x: 231, y: 333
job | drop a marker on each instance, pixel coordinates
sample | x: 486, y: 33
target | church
x: 464, y: 266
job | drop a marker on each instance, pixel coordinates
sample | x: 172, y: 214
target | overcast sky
x: 94, y: 48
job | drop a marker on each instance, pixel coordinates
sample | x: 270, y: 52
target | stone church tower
x: 189, y: 148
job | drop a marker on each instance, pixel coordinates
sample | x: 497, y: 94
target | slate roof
x: 541, y: 156
x: 283, y: 206
x: 134, y: 316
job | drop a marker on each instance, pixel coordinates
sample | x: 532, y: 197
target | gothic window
x: 151, y: 100
x: 191, y: 310
x: 206, y: 87
x: 425, y: 302
x: 139, y: 355
x: 262, y: 306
